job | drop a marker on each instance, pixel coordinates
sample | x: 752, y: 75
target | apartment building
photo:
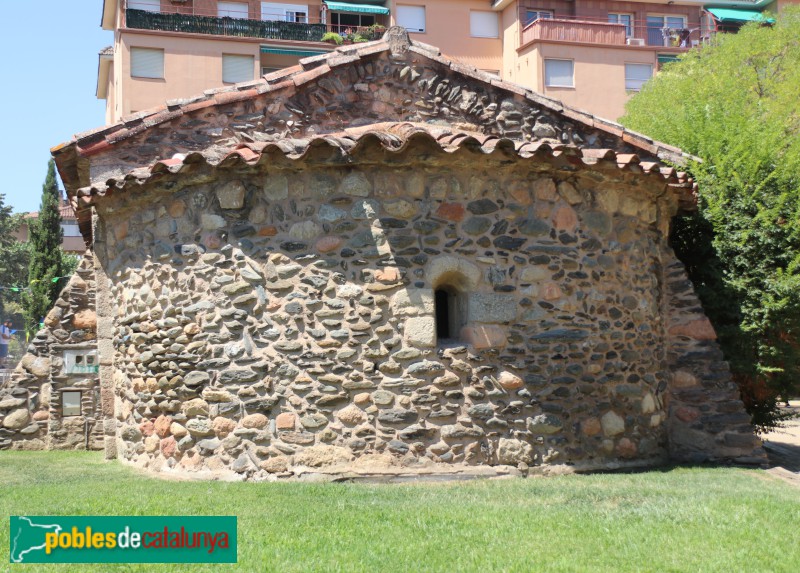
x: 591, y: 54
x: 72, y: 240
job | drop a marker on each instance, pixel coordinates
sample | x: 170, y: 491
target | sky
x: 49, y: 71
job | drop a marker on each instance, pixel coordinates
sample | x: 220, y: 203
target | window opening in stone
x: 79, y: 359
x: 70, y: 403
x: 449, y: 313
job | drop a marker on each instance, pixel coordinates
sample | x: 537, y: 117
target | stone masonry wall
x: 31, y: 414
x: 274, y: 318
x: 707, y: 419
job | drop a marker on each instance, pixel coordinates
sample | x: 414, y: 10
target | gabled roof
x: 393, y: 80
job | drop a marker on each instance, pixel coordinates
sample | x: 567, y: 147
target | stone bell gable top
x: 392, y: 80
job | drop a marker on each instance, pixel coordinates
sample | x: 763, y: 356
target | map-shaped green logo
x: 28, y: 537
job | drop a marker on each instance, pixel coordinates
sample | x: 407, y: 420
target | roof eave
x: 109, y: 18
x: 500, y: 5
x: 103, y: 67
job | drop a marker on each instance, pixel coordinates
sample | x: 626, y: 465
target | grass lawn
x: 684, y: 519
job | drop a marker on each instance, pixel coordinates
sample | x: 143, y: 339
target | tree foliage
x: 735, y: 104
x: 47, y: 259
x: 13, y: 261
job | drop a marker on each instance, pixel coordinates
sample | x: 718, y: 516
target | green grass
x: 684, y: 519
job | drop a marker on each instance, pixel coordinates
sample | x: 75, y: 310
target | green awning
x: 731, y: 15
x: 290, y: 52
x: 360, y: 8
x: 666, y: 58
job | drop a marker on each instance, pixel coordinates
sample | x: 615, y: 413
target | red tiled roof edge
x: 395, y: 138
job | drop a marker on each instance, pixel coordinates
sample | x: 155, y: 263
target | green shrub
x: 332, y: 38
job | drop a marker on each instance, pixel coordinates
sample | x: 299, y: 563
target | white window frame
x: 225, y: 9
x: 146, y: 5
x: 229, y: 59
x: 630, y: 79
x: 278, y: 11
x: 143, y: 52
x: 405, y: 7
x: 71, y: 412
x: 475, y: 24
x: 572, y: 65
x: 539, y: 15
x: 614, y: 18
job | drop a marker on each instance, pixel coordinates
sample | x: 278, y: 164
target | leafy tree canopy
x: 735, y: 104
x: 13, y: 261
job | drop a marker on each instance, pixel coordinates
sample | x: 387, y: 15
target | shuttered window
x: 232, y: 9
x: 412, y: 18
x: 147, y: 63
x: 559, y: 73
x: 484, y: 25
x: 237, y: 69
x: 636, y: 75
x: 148, y: 5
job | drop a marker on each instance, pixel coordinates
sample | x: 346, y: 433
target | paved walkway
x: 783, y: 448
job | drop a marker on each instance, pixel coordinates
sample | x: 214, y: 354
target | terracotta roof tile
x: 394, y: 138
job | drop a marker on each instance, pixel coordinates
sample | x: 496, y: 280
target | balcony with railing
x: 564, y: 30
x: 604, y: 33
x: 192, y: 22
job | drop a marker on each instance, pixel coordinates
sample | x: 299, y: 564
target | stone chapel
x: 379, y: 260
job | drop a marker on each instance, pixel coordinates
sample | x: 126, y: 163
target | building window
x: 71, y: 403
x: 484, y: 24
x: 147, y: 63
x: 232, y: 9
x: 450, y: 313
x: 71, y: 229
x: 636, y: 75
x: 340, y: 21
x: 285, y: 12
x: 147, y: 5
x: 533, y: 15
x: 659, y: 30
x: 236, y: 69
x: 626, y: 19
x: 559, y: 73
x: 412, y: 18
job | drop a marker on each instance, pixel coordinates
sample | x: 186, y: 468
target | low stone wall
x: 31, y: 413
x: 270, y: 321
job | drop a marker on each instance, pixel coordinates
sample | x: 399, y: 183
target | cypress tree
x: 47, y: 259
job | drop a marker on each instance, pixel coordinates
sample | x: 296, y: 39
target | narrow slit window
x: 442, y: 314
x: 450, y: 308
